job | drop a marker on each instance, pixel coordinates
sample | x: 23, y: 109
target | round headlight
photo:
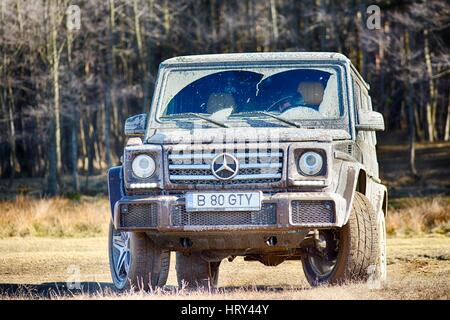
x: 143, y: 166
x: 310, y: 163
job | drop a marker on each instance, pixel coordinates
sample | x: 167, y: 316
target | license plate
x: 224, y: 201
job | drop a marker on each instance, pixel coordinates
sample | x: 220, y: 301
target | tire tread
x: 359, y: 246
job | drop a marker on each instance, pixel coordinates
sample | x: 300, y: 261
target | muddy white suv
x: 269, y: 156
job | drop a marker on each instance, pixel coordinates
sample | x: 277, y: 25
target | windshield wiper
x: 197, y: 115
x: 291, y: 123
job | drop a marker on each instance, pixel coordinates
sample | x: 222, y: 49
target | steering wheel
x: 281, y: 101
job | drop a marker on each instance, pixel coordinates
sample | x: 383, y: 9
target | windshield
x: 284, y: 96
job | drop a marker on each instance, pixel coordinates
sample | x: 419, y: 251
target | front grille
x: 312, y: 212
x: 191, y: 168
x: 138, y: 215
x: 266, y: 216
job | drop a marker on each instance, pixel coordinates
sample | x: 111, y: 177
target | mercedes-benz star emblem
x: 224, y: 166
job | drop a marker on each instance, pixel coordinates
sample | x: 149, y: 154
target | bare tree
x: 64, y: 95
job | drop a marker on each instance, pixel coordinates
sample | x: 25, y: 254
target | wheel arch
x: 352, y: 178
x: 115, y: 187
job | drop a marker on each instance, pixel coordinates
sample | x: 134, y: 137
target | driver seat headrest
x: 312, y: 92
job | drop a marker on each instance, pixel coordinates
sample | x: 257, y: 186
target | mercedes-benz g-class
x: 267, y: 156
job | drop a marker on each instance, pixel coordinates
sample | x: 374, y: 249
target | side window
x: 360, y: 103
x: 357, y: 102
x: 366, y: 105
x: 356, y: 97
x: 364, y: 101
x: 373, y: 134
x: 370, y: 103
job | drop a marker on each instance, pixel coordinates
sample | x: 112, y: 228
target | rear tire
x: 358, y: 249
x: 147, y: 266
x: 193, y: 272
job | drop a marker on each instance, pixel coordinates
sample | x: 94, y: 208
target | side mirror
x: 135, y: 125
x: 370, y: 121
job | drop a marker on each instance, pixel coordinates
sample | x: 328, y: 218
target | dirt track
x: 418, y: 268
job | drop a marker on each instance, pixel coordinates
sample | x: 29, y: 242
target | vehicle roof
x: 255, y: 57
x: 260, y: 57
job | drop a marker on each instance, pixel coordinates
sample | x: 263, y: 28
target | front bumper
x: 282, y: 211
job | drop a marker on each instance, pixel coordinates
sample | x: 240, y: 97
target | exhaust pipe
x: 186, y: 243
x: 271, y: 241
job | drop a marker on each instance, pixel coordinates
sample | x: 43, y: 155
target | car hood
x: 221, y: 135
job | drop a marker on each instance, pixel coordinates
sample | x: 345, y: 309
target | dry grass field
x: 43, y: 242
x: 419, y: 268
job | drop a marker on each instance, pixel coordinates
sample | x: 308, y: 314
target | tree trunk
x: 137, y: 26
x: 52, y: 179
x: 109, y: 82
x: 12, y: 134
x: 54, y: 62
x: 447, y: 121
x: 83, y: 144
x: 166, y: 18
x: 74, y: 156
x: 73, y: 121
x: 213, y: 24
x: 410, y: 108
x: 359, y: 52
x: 273, y: 14
x: 89, y: 146
x: 431, y: 104
x: 90, y: 139
x: 107, y: 126
x: 147, y: 61
x: 5, y: 113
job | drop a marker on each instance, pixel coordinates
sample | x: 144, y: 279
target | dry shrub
x: 89, y: 216
x: 420, y: 215
x: 56, y: 217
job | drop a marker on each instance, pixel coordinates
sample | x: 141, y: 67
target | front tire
x: 135, y: 261
x: 354, y: 252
